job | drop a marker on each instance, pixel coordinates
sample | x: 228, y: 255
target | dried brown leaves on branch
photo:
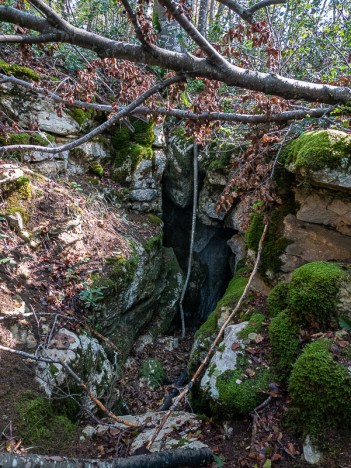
x: 249, y: 179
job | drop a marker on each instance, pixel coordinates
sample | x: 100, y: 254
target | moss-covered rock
x: 18, y: 71
x: 320, y: 389
x: 24, y: 138
x: 278, y: 298
x: 319, y: 149
x: 284, y: 340
x: 153, y: 372
x: 238, y: 396
x: 80, y: 115
x: 255, y: 325
x: 275, y: 242
x: 312, y: 294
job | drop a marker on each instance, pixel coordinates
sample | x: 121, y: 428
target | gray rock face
x: 145, y: 194
x: 311, y: 242
x: 28, y: 109
x: 9, y: 173
x: 325, y: 208
x: 178, y: 177
x: 225, y: 358
x: 152, y: 293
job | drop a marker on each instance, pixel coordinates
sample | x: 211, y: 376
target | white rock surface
x: 311, y: 454
x: 225, y: 358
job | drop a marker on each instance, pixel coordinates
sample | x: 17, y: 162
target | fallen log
x: 169, y: 458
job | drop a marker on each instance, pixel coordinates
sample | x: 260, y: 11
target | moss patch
x: 238, y: 396
x: 278, y: 298
x: 96, y: 168
x: 312, y: 294
x: 80, y: 115
x: 319, y: 149
x: 320, y: 389
x: 153, y: 372
x: 18, y: 71
x: 41, y: 424
x: 233, y: 293
x: 255, y: 325
x: 24, y: 138
x: 283, y: 335
x: 154, y: 219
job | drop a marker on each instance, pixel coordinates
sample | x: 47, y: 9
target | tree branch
x: 267, y: 83
x: 101, y: 128
x: 297, y: 114
x: 70, y: 371
x: 247, y: 13
x: 190, y: 29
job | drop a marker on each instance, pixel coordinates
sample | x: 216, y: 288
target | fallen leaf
x: 259, y: 338
x: 235, y: 346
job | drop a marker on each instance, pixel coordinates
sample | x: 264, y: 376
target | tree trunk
x: 171, y: 458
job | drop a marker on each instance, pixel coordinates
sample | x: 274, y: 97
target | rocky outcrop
x: 85, y: 356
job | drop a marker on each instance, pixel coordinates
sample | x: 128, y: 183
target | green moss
x: 283, y: 335
x: 233, y: 293
x: 275, y: 243
x: 120, y: 275
x: 312, y: 294
x: 40, y: 424
x: 239, y: 396
x: 154, y: 219
x: 96, y: 168
x: 255, y: 325
x: 155, y: 20
x: 80, y: 115
x: 24, y: 138
x: 153, y: 244
x: 120, y: 136
x: 144, y: 132
x: 153, y: 372
x: 18, y: 71
x: 319, y: 149
x: 320, y: 389
x: 278, y: 298
x: 180, y: 133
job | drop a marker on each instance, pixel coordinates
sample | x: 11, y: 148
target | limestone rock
x: 325, y: 208
x: 224, y: 359
x: 160, y: 140
x: 332, y: 179
x: 311, y: 454
x: 238, y: 246
x: 207, y: 206
x: 84, y: 355
x: 9, y: 173
x: 179, y: 430
x: 27, y: 108
x: 343, y: 305
x: 312, y: 242
x: 235, y: 219
x: 178, y: 175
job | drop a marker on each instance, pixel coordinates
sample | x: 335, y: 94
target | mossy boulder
x: 131, y: 147
x: 320, y: 387
x: 278, y: 298
x: 233, y: 384
x: 312, y: 294
x: 284, y: 340
x: 153, y: 373
x: 319, y: 149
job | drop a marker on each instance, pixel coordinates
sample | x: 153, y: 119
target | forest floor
x: 39, y: 290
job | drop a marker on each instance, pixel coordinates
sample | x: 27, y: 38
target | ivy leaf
x: 345, y: 323
x: 218, y: 461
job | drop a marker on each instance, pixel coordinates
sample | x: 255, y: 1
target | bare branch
x: 190, y: 29
x: 101, y: 128
x: 70, y: 371
x: 285, y: 116
x: 247, y: 13
x: 267, y: 83
x: 134, y: 20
